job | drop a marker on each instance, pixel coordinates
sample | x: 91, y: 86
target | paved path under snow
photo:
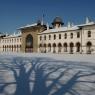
x: 47, y: 74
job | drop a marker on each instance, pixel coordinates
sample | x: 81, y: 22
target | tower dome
x: 57, y: 20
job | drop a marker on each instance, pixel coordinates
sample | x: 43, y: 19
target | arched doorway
x: 78, y: 47
x: 65, y: 47
x: 5, y: 48
x: 88, y: 47
x: 49, y: 47
x: 71, y: 47
x: 14, y: 48
x: 44, y: 48
x: 29, y: 43
x: 40, y: 48
x: 54, y: 48
x: 59, y: 47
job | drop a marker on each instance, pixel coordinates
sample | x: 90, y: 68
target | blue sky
x: 17, y: 13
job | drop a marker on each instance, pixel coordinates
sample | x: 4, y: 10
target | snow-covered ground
x: 47, y: 74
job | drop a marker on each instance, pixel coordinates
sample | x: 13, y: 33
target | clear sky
x: 17, y: 13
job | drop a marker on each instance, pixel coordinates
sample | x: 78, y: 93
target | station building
x: 59, y: 38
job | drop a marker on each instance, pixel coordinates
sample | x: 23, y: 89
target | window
x: 45, y: 37
x: 78, y: 34
x: 89, y: 33
x: 59, y: 36
x: 71, y: 35
x: 49, y: 37
x: 65, y: 35
x: 40, y: 38
x: 54, y: 37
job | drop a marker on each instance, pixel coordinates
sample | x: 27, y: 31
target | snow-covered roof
x: 13, y: 35
x: 87, y: 24
x: 1, y: 34
x: 28, y: 25
x: 61, y: 29
x: 67, y: 28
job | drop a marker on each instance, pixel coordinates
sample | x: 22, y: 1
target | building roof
x: 13, y: 35
x: 61, y: 29
x: 67, y: 28
x: 87, y: 24
x: 28, y: 25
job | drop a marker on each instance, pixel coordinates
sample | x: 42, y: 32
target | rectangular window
x: 65, y: 35
x: 71, y: 35
x: 49, y: 37
x: 54, y: 37
x: 45, y: 37
x: 78, y: 34
x: 40, y: 38
x: 59, y: 36
x: 89, y: 33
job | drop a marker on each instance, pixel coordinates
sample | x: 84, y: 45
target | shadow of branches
x: 44, y: 76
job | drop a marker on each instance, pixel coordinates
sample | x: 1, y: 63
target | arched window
x: 40, y: 47
x: 5, y: 47
x: 54, y: 36
x: 54, y: 48
x: 65, y: 47
x: 44, y: 48
x: 89, y: 33
x: 59, y: 47
x: 40, y: 38
x: 89, y: 45
x: 71, y: 47
x: 78, y: 47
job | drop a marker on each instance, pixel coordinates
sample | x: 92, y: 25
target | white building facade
x: 57, y: 39
x: 69, y: 39
x: 11, y: 43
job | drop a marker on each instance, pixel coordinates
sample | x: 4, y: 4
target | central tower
x: 57, y: 22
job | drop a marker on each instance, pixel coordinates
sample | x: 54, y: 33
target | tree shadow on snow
x: 42, y: 76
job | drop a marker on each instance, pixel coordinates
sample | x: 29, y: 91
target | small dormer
x: 57, y: 22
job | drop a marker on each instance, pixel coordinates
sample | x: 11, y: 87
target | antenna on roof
x: 87, y: 20
x: 47, y: 26
x: 42, y: 22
